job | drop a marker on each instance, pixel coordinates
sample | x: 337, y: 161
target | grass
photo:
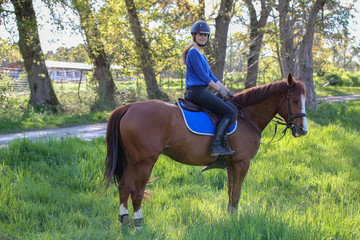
x: 298, y: 188
x: 336, y: 91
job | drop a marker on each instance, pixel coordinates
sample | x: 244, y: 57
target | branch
x: 6, y: 11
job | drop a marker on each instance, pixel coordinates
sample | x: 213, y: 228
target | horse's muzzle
x: 298, y: 131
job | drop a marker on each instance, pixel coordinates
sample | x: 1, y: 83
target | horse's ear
x: 290, y: 80
x: 300, y: 79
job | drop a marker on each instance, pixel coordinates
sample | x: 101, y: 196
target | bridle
x: 289, y: 125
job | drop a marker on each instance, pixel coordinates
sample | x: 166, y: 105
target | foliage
x: 4, y: 87
x: 339, y: 77
x: 9, y: 52
x: 166, y: 25
x: 73, y: 54
x: 299, y: 188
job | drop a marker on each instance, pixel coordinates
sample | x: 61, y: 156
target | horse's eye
x: 295, y: 101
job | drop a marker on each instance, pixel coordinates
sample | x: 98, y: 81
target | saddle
x: 192, y: 107
x: 202, y: 121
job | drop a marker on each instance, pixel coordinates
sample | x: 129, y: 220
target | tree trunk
x: 256, y: 37
x: 42, y: 94
x: 278, y: 57
x: 143, y: 50
x: 102, y: 74
x: 306, y: 64
x: 288, y: 51
x: 221, y: 31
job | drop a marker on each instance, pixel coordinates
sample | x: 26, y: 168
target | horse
x: 139, y: 132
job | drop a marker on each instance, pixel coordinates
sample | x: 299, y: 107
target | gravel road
x: 87, y: 132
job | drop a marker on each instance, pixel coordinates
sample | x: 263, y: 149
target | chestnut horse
x: 139, y: 132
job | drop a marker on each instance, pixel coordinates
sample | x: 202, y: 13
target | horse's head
x: 292, y: 107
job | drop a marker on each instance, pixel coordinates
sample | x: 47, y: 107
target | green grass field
x: 298, y: 188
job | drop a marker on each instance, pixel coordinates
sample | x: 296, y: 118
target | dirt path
x: 87, y: 132
x: 338, y: 98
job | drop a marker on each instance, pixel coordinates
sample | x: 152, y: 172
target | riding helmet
x: 200, y: 27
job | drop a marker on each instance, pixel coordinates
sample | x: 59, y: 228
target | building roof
x: 58, y: 65
x: 68, y: 65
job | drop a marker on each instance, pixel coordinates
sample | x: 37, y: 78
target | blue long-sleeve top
x: 198, y: 72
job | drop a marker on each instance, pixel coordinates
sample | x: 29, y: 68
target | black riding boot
x: 216, y: 147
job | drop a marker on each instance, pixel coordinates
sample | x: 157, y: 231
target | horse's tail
x: 114, y: 161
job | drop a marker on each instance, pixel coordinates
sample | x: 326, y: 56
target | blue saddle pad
x: 200, y: 123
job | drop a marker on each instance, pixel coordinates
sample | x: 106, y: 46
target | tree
x: 298, y: 24
x: 42, y: 94
x: 306, y: 63
x: 286, y: 26
x: 256, y: 36
x: 96, y: 50
x: 143, y: 51
x: 222, y: 22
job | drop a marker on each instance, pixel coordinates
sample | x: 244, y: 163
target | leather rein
x: 289, y: 125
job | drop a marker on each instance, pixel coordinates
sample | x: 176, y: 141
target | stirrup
x: 221, y: 163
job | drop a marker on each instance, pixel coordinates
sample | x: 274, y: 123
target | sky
x: 68, y: 38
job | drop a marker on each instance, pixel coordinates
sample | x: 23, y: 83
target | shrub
x: 342, y: 78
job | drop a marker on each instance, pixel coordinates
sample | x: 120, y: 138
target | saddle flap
x: 193, y: 107
x: 202, y: 121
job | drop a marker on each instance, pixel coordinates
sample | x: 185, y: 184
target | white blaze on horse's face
x: 303, y: 102
x: 302, y: 129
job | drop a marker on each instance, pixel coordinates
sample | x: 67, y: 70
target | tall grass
x: 298, y: 188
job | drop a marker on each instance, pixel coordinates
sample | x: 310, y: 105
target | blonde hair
x: 185, y: 52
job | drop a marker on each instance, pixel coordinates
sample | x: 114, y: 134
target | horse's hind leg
x: 133, y: 182
x: 143, y: 173
x: 124, y: 192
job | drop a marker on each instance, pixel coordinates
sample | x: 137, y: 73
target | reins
x: 278, y: 121
x: 289, y: 125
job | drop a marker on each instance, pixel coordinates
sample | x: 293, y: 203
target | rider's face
x: 201, y: 38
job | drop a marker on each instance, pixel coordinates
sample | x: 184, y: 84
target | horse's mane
x: 258, y: 94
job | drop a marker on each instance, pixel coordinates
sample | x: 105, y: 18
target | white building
x: 58, y: 71
x: 67, y: 71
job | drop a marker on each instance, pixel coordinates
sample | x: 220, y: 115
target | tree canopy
x: 284, y: 27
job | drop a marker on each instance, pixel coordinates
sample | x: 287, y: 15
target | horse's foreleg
x: 236, y: 175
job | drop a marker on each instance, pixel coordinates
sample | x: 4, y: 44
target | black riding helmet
x: 200, y: 27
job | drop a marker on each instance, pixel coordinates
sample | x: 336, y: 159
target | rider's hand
x: 222, y: 93
x: 230, y: 94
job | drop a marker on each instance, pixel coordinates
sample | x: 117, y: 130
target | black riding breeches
x: 205, y: 99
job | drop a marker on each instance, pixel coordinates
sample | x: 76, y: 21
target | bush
x: 342, y: 78
x: 4, y: 88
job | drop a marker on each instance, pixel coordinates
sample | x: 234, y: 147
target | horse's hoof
x: 138, y: 223
x: 124, y: 219
x: 231, y: 209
